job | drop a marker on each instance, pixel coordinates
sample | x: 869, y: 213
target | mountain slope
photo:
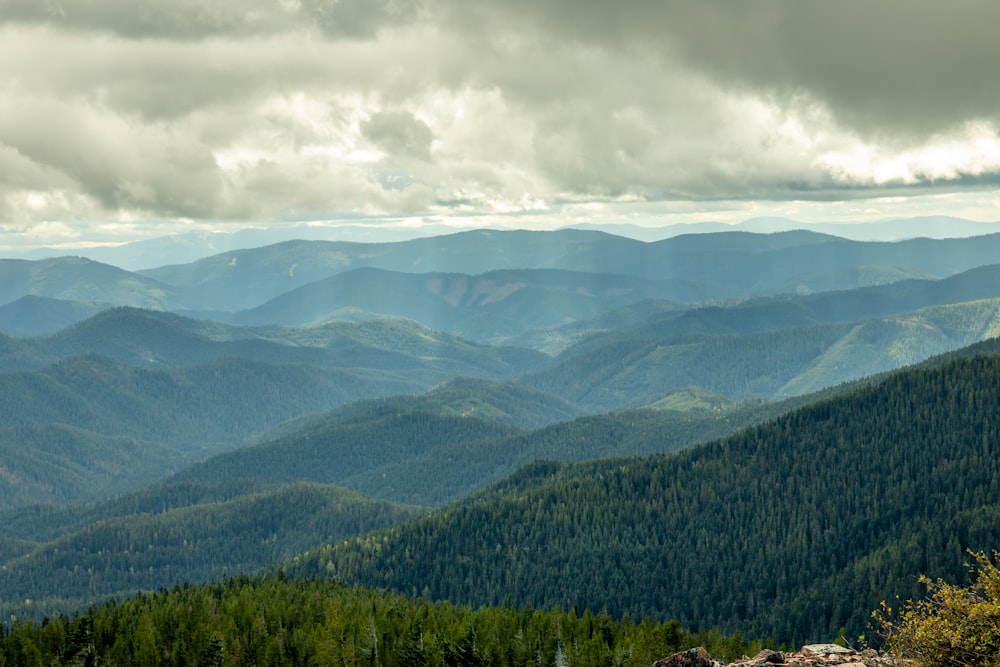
x: 160, y: 339
x: 434, y: 448
x: 489, y: 307
x: 506, y: 403
x: 656, y: 318
x: 373, y: 452
x: 197, y: 543
x: 36, y: 315
x: 692, y: 267
x: 246, y: 278
x: 216, y: 402
x: 71, y: 428
x: 55, y: 463
x: 736, y: 533
x: 636, y: 366
x: 83, y: 280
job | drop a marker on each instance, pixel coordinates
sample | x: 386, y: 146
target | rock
x: 826, y: 649
x: 813, y: 655
x: 769, y: 657
x: 696, y: 657
x: 819, y: 655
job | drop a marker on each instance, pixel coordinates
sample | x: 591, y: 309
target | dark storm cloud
x: 891, y: 67
x: 895, y: 66
x: 359, y: 18
x: 179, y: 19
x: 195, y: 19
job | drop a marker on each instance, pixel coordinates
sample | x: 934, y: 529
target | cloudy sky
x: 126, y: 119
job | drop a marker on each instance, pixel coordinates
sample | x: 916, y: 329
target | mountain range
x: 191, y: 246
x: 719, y: 428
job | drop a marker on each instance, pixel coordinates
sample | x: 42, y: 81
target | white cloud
x: 118, y: 111
x: 973, y: 150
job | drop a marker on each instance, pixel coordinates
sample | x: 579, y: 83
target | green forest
x: 275, y: 621
x: 794, y: 528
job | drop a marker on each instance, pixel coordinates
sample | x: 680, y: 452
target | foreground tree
x: 956, y: 625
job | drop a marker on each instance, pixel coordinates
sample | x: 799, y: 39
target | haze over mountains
x: 191, y: 246
x: 189, y: 420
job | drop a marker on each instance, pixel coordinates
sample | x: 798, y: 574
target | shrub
x: 955, y: 626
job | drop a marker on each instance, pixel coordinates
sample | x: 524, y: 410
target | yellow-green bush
x: 956, y: 625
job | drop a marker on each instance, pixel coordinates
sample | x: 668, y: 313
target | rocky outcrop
x: 696, y: 657
x: 813, y: 655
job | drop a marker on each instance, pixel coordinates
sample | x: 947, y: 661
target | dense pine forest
x: 792, y: 529
x: 273, y: 621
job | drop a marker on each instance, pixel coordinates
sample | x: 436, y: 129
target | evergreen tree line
x: 275, y: 621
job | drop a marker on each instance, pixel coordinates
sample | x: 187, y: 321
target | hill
x: 787, y: 311
x: 82, y: 280
x: 692, y: 267
x: 487, y: 307
x: 247, y: 278
x: 793, y: 529
x: 375, y: 452
x: 53, y: 463
x: 38, y: 315
x: 196, y: 543
x: 506, y: 403
x: 89, y: 425
x: 435, y: 448
x: 165, y: 340
x: 639, y: 365
x: 657, y: 318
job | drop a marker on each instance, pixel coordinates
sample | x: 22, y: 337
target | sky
x: 123, y: 120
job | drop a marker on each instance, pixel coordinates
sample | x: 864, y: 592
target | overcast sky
x: 125, y: 119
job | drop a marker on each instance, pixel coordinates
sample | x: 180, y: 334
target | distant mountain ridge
x: 485, y: 307
x: 895, y: 229
x: 160, y: 339
x: 724, y: 264
x: 191, y: 246
x: 526, y: 281
x: 83, y: 280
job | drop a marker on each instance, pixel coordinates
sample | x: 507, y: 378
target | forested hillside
x: 407, y: 448
x: 160, y: 339
x: 839, y: 504
x: 488, y: 307
x: 405, y: 456
x: 785, y: 311
x: 89, y: 427
x: 80, y: 279
x: 274, y: 621
x: 633, y: 366
x: 37, y: 315
x: 195, y: 543
x: 417, y: 452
